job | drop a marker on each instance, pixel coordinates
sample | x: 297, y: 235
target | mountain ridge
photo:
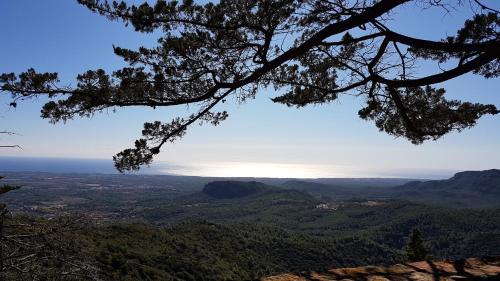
x: 465, y: 189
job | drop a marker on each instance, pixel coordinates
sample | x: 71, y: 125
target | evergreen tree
x: 313, y: 50
x: 415, y: 250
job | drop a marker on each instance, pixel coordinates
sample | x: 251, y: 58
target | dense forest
x: 237, y: 230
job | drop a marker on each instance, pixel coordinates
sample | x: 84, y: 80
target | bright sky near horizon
x: 258, y: 139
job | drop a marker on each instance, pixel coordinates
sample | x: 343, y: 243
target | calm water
x: 63, y: 165
x: 230, y: 169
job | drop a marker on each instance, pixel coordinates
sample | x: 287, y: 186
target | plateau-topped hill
x: 234, y: 189
x: 469, y: 269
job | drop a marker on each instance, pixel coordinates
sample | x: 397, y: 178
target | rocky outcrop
x: 469, y: 269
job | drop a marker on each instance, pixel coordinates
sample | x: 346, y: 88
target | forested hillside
x: 205, y: 251
x: 237, y: 230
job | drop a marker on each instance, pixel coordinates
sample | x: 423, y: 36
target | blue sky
x: 259, y: 139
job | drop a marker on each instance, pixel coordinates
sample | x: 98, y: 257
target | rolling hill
x: 470, y: 189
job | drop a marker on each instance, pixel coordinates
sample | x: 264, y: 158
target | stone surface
x: 469, y: 269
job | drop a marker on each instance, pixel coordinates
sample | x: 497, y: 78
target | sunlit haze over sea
x: 218, y: 169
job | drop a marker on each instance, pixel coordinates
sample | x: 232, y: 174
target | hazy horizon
x: 225, y: 170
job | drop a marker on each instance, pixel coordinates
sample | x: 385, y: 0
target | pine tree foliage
x: 314, y: 51
x: 415, y: 250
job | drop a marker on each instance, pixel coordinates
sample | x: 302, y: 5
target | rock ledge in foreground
x: 469, y: 269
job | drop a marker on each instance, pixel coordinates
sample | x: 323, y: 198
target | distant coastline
x: 56, y: 165
x: 105, y: 166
